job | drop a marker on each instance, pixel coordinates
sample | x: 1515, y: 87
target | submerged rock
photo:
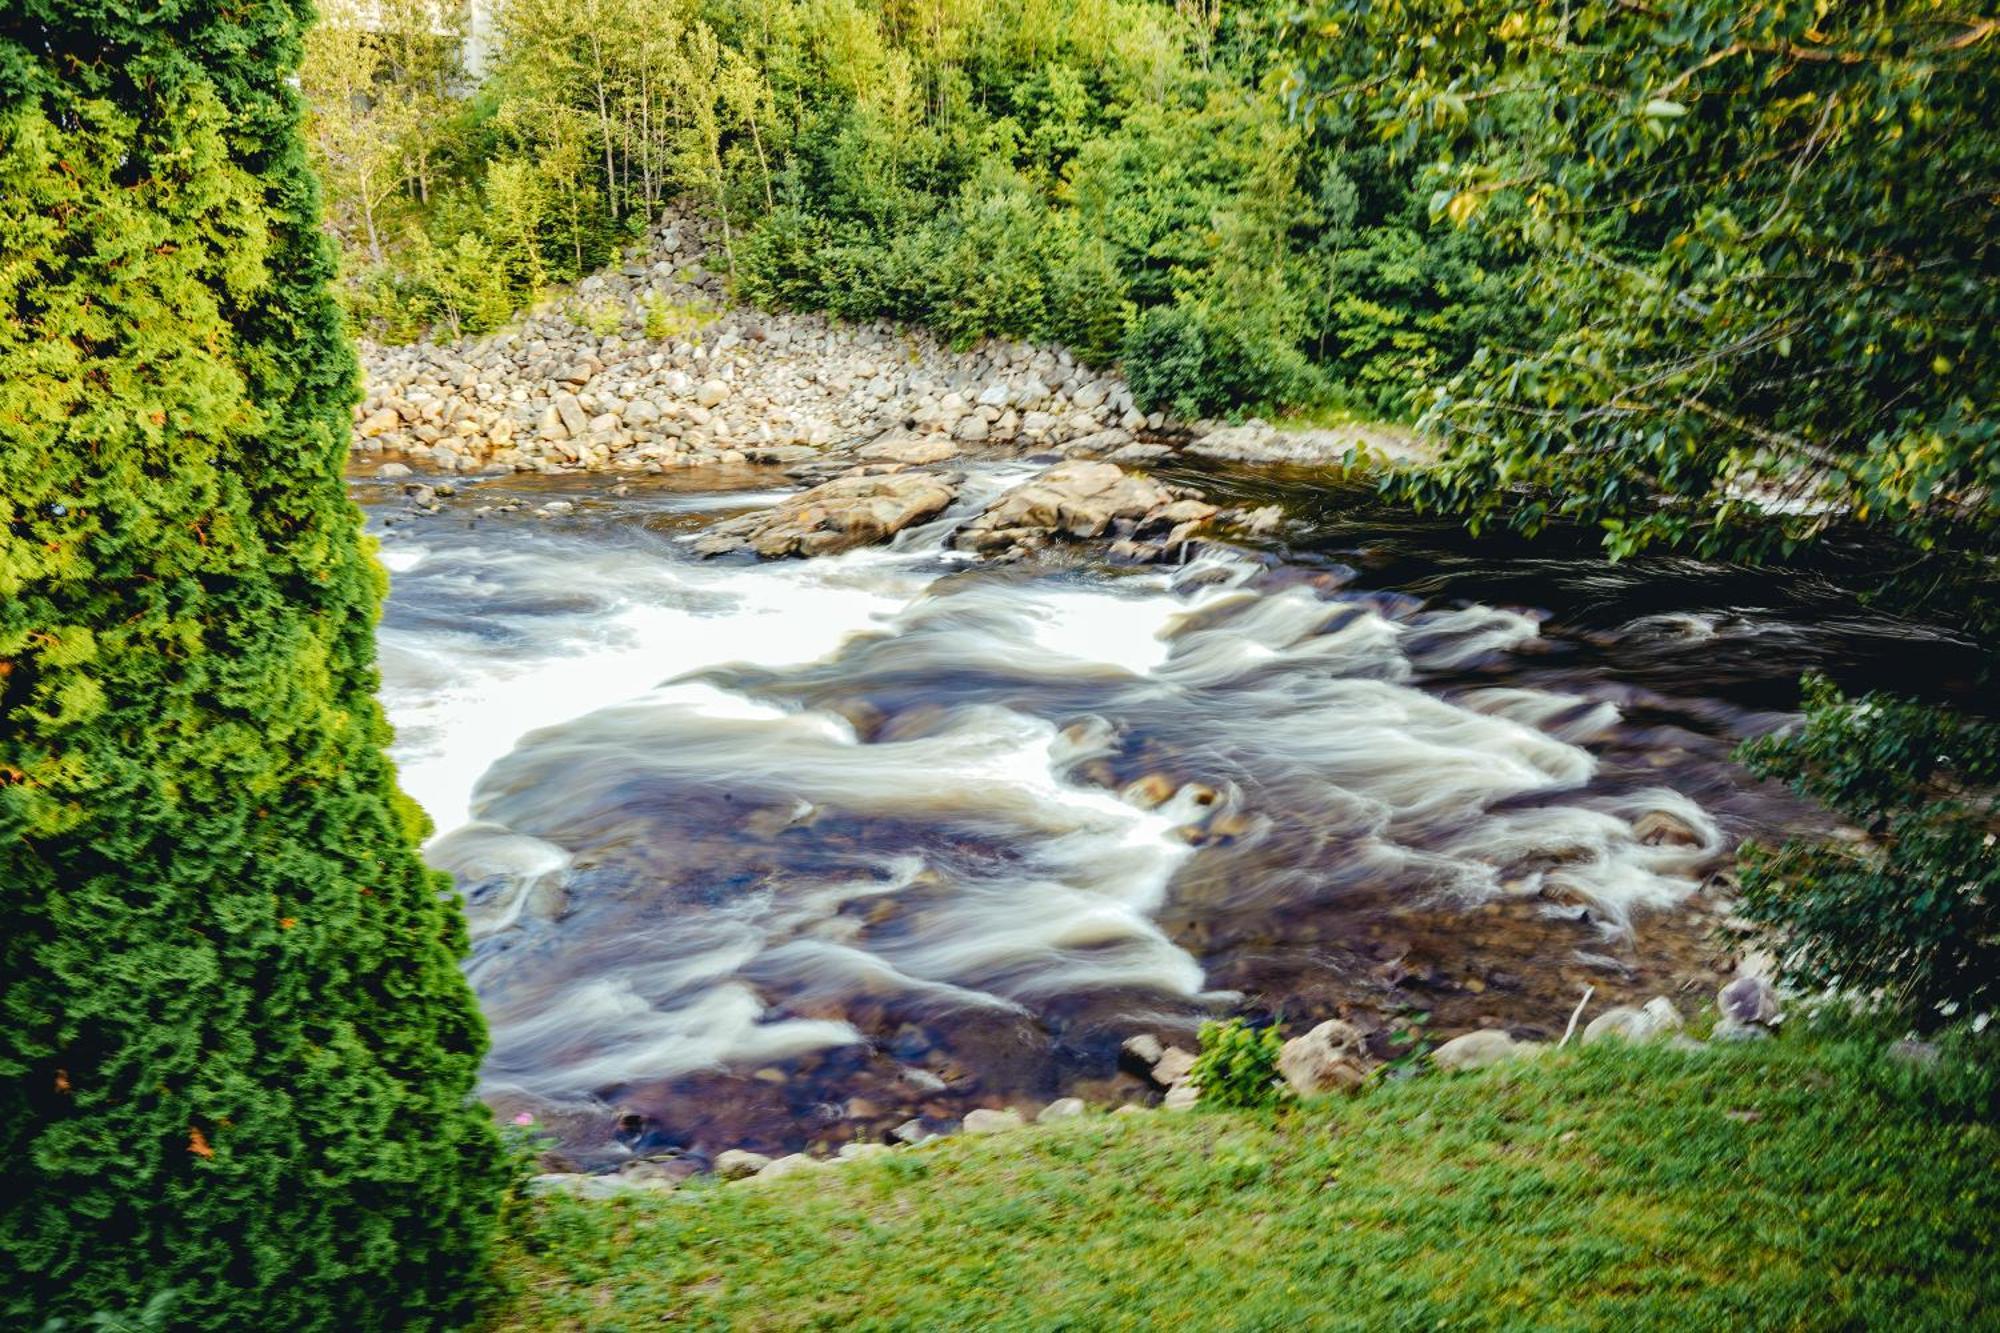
x: 1333, y: 1057
x: 1660, y: 828
x: 835, y: 516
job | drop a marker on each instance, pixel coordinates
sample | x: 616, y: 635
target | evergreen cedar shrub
x: 236, y: 1053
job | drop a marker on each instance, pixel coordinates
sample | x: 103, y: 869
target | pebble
x: 1477, y: 1050
x: 987, y: 1121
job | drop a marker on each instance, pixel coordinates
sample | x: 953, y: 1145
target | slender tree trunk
x: 764, y: 163
x: 722, y: 200
x: 368, y: 221
x: 604, y: 122
x: 646, y: 140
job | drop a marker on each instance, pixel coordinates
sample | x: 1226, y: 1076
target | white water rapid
x: 714, y: 815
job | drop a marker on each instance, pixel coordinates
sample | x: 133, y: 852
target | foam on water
x: 614, y: 736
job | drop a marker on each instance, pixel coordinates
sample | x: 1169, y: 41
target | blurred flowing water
x: 783, y: 854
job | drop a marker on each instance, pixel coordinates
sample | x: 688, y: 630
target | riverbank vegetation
x: 1120, y: 176
x: 1814, y: 1182
x: 1728, y: 298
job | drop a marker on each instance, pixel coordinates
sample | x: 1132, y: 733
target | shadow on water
x: 783, y: 855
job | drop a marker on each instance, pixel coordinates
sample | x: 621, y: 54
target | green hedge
x: 236, y: 1054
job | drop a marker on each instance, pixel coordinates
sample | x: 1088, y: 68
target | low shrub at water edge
x: 1912, y: 916
x: 1238, y: 1065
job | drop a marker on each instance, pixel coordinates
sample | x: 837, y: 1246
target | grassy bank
x: 1796, y: 1184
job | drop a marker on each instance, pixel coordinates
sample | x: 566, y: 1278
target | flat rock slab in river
x: 1082, y: 500
x: 836, y: 516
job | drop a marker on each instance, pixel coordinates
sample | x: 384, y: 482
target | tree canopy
x: 1759, y: 256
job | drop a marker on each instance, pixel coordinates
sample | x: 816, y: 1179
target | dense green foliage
x: 1786, y: 1185
x: 1912, y: 914
x: 236, y: 1054
x: 1115, y: 175
x: 1238, y: 1065
x: 1756, y: 267
x: 1761, y: 260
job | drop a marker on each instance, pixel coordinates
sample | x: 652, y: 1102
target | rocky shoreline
x: 647, y: 370
x: 1330, y: 1059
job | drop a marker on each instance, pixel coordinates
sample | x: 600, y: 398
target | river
x: 780, y: 855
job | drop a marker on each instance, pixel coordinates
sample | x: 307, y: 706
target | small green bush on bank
x: 1238, y: 1065
x: 1912, y: 915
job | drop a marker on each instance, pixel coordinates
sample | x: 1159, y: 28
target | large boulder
x: 570, y: 412
x: 1144, y: 1047
x: 1079, y: 500
x: 835, y: 516
x: 1747, y: 1009
x: 1749, y: 999
x: 903, y: 446
x: 1173, y: 1066
x: 861, y: 1152
x: 793, y: 1165
x: 1333, y: 1057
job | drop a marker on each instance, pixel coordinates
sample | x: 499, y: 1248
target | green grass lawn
x: 1791, y: 1184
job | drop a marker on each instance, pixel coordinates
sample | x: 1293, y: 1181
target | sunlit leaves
x: 1762, y: 255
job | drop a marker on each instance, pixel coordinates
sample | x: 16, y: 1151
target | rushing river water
x: 783, y: 854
